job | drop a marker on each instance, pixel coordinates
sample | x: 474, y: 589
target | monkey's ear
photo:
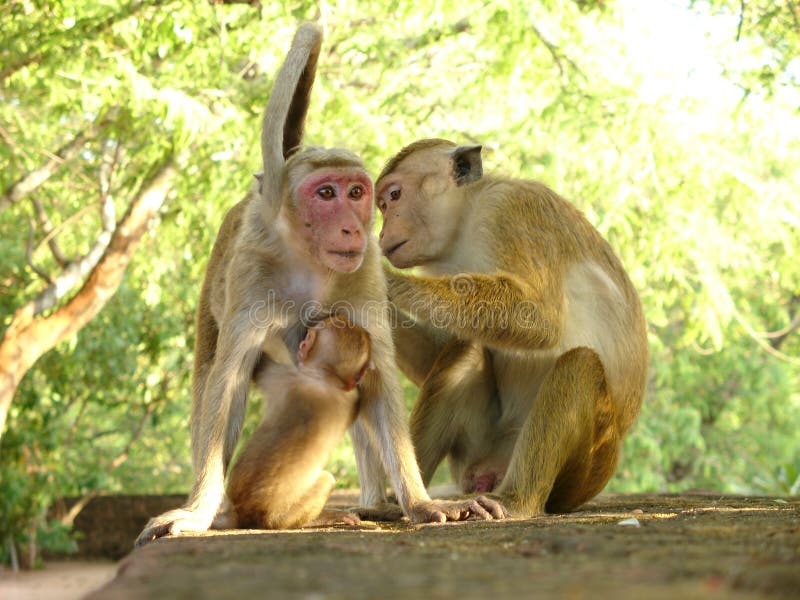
x: 260, y: 179
x: 467, y: 164
x: 306, y: 345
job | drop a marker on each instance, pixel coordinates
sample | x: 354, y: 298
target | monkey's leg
x: 371, y: 474
x: 382, y: 415
x: 223, y: 402
x: 204, y: 349
x: 307, y: 507
x: 369, y: 450
x: 454, y: 402
x: 569, y: 445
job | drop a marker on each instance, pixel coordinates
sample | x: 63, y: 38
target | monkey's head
x: 338, y: 347
x: 328, y: 197
x: 420, y: 194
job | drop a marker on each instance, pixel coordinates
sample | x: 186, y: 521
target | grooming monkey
x: 300, y: 238
x: 278, y: 481
x: 529, y: 343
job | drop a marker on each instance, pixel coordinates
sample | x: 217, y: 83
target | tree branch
x: 29, y: 255
x: 66, y: 41
x: 12, y: 553
x: 741, y: 20
x: 27, y: 338
x: 49, y: 231
x: 75, y: 271
x: 75, y: 509
x: 777, y: 338
x: 68, y: 221
x: 123, y: 456
x: 759, y: 340
x: 793, y: 8
x: 28, y: 183
x: 555, y: 53
x: 434, y: 35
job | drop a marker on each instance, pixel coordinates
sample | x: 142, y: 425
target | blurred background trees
x: 127, y: 129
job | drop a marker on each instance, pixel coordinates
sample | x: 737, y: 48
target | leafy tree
x: 767, y: 41
x: 150, y: 111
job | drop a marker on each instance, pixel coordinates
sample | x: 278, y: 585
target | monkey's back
x: 286, y: 454
x: 529, y: 229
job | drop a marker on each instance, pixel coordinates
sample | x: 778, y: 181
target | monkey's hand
x: 172, y: 523
x: 385, y: 511
x: 439, y: 511
x: 333, y: 516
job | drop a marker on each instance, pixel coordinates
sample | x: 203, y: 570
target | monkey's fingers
x: 333, y: 516
x: 152, y: 532
x: 173, y: 522
x: 438, y: 516
x: 439, y: 511
x: 480, y: 507
x: 476, y: 510
x: 494, y: 508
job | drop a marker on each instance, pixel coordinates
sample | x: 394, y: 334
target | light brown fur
x: 278, y: 481
x: 274, y: 257
x: 536, y: 342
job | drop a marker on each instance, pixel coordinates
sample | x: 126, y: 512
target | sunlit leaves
x: 696, y: 193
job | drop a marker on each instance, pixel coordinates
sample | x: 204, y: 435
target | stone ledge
x: 687, y: 546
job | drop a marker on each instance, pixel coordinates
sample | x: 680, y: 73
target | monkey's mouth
x: 394, y: 248
x: 347, y: 253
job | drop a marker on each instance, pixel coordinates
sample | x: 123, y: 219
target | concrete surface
x: 625, y: 546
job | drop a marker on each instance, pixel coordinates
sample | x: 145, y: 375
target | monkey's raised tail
x: 285, y: 115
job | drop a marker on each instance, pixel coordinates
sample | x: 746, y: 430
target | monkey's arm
x: 498, y: 310
x: 417, y: 345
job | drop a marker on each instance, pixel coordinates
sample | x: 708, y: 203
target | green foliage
x: 767, y: 41
x: 25, y: 496
x: 694, y: 187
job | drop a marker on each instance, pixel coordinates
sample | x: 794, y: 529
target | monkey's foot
x: 174, y: 522
x: 224, y: 520
x: 333, y: 516
x: 439, y: 511
x: 385, y: 511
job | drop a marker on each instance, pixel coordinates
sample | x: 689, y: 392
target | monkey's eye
x: 394, y: 193
x: 356, y: 192
x: 326, y: 192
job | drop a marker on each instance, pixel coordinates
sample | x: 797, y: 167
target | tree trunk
x: 28, y: 338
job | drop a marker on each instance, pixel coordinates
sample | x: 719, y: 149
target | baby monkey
x: 279, y: 481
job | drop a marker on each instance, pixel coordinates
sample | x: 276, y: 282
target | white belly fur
x: 597, y: 317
